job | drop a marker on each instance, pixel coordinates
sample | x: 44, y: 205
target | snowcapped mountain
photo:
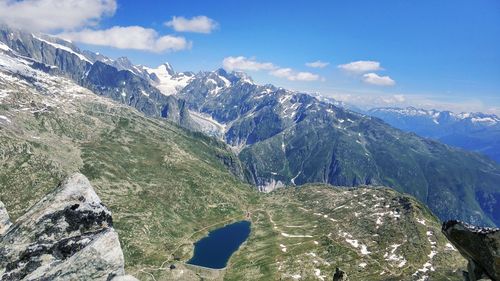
x: 438, y: 117
x: 472, y: 131
x: 166, y: 79
x: 117, y: 79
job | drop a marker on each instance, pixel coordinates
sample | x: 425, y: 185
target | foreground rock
x: 480, y: 246
x: 68, y: 235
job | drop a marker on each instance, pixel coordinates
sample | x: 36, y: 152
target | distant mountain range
x: 471, y: 131
x: 282, y: 137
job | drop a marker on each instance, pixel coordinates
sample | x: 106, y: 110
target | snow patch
x: 283, y: 248
x: 421, y: 221
x: 317, y: 272
x: 167, y: 83
x: 4, y: 47
x: 450, y: 247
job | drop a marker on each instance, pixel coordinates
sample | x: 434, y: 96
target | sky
x: 433, y: 54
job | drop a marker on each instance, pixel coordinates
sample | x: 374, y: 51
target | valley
x: 167, y: 187
x: 342, y: 189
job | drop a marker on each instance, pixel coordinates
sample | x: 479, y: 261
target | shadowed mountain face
x: 281, y: 137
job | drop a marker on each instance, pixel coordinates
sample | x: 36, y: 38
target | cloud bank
x: 250, y: 64
x: 292, y: 75
x: 130, y: 37
x: 54, y: 15
x: 77, y: 21
x: 244, y: 63
x: 361, y: 67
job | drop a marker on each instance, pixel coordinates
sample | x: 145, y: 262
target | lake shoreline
x: 215, y: 249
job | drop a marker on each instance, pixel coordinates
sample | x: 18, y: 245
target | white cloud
x: 317, y: 64
x: 250, y: 64
x: 244, y: 63
x: 199, y: 24
x: 129, y: 37
x: 54, y: 15
x: 375, y: 79
x: 282, y: 72
x: 292, y: 75
x: 361, y: 66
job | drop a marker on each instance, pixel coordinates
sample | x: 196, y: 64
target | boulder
x: 479, y: 245
x: 68, y: 235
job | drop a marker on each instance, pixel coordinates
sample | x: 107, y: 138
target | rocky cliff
x: 480, y: 246
x: 68, y: 235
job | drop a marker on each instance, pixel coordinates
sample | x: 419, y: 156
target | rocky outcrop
x: 480, y: 246
x: 4, y: 219
x: 340, y: 275
x: 68, y: 235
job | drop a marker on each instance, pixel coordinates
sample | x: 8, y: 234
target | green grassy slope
x: 372, y: 234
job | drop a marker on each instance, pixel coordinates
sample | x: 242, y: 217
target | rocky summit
x: 68, y: 235
x: 480, y: 246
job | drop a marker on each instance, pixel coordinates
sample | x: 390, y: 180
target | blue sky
x: 442, y: 54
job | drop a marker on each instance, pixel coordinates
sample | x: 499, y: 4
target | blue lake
x: 214, y: 250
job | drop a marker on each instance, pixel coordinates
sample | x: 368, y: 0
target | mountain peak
x: 243, y: 77
x: 167, y: 67
x: 221, y: 72
x: 234, y: 76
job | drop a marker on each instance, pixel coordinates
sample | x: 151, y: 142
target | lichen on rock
x: 68, y: 235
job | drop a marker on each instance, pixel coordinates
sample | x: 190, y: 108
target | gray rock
x: 68, y: 235
x: 4, y: 219
x: 340, y: 275
x: 479, y: 245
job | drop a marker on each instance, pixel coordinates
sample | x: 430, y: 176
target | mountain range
x: 473, y: 131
